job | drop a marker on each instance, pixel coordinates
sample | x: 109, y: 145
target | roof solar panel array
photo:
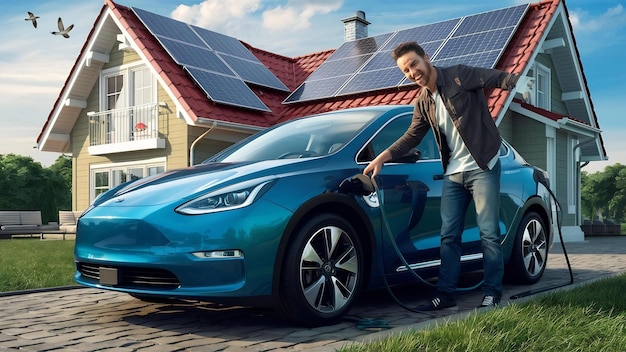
x: 366, y: 64
x: 220, y: 65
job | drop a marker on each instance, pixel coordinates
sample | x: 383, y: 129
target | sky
x: 34, y: 64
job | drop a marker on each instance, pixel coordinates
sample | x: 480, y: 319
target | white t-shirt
x: 460, y: 158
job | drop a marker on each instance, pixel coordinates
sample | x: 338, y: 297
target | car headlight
x: 229, y: 198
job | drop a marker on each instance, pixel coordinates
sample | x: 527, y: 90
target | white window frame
x: 129, y: 85
x: 110, y: 168
x: 543, y: 96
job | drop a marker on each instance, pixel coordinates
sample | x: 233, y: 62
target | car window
x: 306, y: 137
x: 390, y: 133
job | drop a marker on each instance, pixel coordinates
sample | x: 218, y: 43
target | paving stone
x: 84, y: 319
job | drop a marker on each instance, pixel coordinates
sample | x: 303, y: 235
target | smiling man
x: 452, y: 103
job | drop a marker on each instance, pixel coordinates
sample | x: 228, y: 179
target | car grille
x: 132, y: 277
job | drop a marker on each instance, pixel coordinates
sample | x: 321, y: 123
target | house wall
x: 171, y: 128
x: 534, y: 149
x: 560, y: 188
x: 205, y: 148
x: 556, y: 104
x: 531, y: 144
x: 560, y: 182
x: 506, y: 127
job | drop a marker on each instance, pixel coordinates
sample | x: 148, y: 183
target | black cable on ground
x: 571, y: 274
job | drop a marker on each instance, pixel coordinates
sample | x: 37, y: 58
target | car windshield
x: 301, y: 138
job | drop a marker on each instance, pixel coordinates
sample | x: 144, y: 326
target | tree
x: 62, y: 168
x: 604, y: 193
x: 27, y: 185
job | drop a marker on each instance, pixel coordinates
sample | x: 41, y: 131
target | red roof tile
x: 293, y: 71
x: 191, y: 97
x: 521, y: 48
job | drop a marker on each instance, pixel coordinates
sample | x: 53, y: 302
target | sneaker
x: 438, y: 303
x: 489, y: 301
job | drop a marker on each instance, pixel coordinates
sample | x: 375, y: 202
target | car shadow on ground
x: 209, y: 318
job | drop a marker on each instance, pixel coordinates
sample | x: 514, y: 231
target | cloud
x: 611, y: 20
x: 240, y: 16
x: 296, y: 15
x: 269, y: 24
x: 216, y: 13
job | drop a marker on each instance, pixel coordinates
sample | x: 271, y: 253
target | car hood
x: 184, y: 184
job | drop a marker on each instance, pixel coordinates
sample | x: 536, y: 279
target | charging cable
x: 569, y: 266
x: 370, y: 185
x: 363, y: 185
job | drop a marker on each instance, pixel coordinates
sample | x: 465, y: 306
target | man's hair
x: 404, y: 48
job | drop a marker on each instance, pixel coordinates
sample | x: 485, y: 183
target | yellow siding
x: 172, y: 129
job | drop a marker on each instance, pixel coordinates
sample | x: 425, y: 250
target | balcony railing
x: 128, y: 129
x: 124, y: 125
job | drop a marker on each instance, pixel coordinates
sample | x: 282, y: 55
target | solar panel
x: 485, y: 34
x: 226, y: 89
x: 253, y: 72
x: 476, y: 40
x: 198, y: 49
x: 161, y: 25
x: 502, y: 18
x: 435, y: 32
x: 310, y: 90
x: 363, y: 81
x: 224, y: 44
x: 195, y: 56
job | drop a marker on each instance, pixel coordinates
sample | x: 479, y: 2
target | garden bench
x: 15, y: 222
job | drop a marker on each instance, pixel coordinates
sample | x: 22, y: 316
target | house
x: 146, y: 94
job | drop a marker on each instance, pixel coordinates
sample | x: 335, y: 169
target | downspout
x: 193, y: 145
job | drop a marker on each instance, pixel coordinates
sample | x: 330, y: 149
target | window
x: 101, y: 183
x: 142, y: 86
x: 114, y: 92
x: 542, y: 86
x: 391, y: 132
x: 126, y: 86
x: 105, y: 177
x: 127, y: 106
x: 535, y: 88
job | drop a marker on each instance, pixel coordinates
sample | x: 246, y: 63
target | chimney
x: 355, y: 27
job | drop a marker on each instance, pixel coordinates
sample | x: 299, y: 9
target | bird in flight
x: 62, y: 30
x: 32, y: 18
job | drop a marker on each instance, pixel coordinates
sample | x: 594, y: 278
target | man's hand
x: 377, y: 164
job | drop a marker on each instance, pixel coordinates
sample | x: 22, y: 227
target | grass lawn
x: 588, y: 318
x: 33, y: 263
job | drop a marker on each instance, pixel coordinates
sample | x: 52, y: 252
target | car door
x: 410, y: 195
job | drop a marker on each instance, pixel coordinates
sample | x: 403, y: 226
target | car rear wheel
x: 530, y: 251
x: 322, y: 271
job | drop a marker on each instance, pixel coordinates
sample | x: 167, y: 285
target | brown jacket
x: 461, y: 88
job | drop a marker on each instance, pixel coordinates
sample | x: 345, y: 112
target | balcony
x: 124, y: 130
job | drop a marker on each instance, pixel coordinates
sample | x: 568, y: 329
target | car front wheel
x: 530, y: 251
x: 322, y: 271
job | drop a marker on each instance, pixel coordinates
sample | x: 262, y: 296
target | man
x: 452, y: 103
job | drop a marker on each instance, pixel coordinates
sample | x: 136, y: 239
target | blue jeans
x: 483, y: 186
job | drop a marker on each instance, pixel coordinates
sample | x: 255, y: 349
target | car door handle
x: 438, y: 177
